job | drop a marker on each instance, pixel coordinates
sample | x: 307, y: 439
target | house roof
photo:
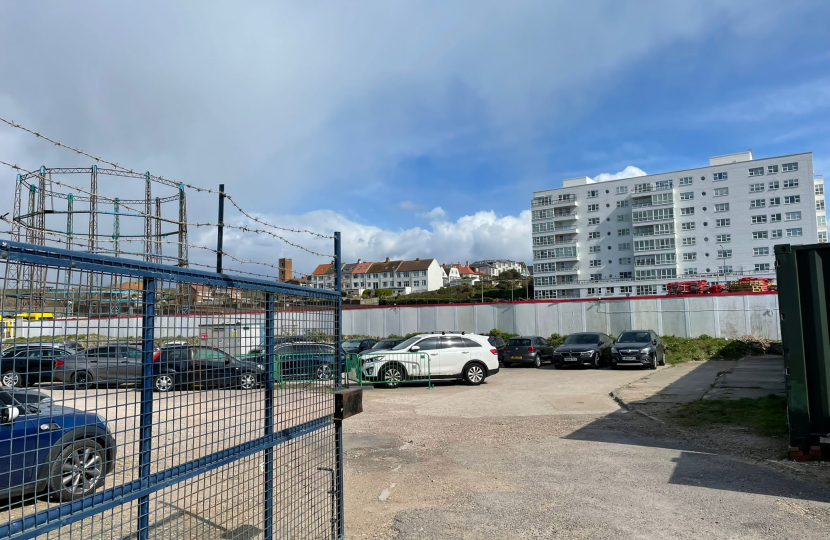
x: 356, y: 268
x: 389, y: 266
x: 465, y: 270
x: 322, y: 270
x: 132, y: 286
x: 412, y: 266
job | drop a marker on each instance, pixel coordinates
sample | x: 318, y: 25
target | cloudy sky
x: 418, y: 129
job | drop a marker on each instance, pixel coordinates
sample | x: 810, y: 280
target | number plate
x: 515, y: 357
x: 570, y: 359
x: 629, y: 358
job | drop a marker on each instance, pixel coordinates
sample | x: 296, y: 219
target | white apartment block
x: 403, y: 277
x: 634, y: 235
x: 494, y: 267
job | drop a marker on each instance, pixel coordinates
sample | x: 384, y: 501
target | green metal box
x: 803, y: 300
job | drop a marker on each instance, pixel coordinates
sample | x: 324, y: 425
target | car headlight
x: 586, y: 353
x: 614, y: 350
x: 645, y: 350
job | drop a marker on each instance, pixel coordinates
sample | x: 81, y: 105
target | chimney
x: 358, y: 261
x: 417, y: 259
x: 387, y: 259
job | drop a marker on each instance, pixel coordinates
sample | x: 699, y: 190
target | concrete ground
x: 548, y: 454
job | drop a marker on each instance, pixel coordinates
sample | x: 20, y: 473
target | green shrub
x: 498, y: 333
x: 556, y: 340
x: 705, y: 347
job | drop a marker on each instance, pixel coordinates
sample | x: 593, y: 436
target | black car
x: 642, y: 347
x: 500, y: 346
x: 26, y: 363
x: 357, y: 346
x: 384, y: 345
x: 527, y: 350
x: 185, y: 366
x: 301, y: 361
x: 584, y: 348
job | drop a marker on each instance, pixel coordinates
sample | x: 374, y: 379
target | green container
x: 803, y: 299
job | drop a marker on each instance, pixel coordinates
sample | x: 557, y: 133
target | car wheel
x: 247, y: 381
x: 653, y: 364
x: 81, y: 380
x: 537, y: 361
x: 392, y: 376
x: 163, y: 383
x: 12, y: 379
x: 77, y: 471
x: 595, y: 360
x: 324, y: 372
x: 474, y: 374
x: 663, y: 359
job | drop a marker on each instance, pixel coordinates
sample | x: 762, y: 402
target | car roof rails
x: 444, y: 332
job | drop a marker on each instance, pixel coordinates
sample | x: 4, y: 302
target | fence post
x: 220, y: 229
x: 338, y: 426
x: 148, y: 322
x: 269, y: 416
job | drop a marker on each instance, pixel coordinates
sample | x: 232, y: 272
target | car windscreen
x: 352, y: 343
x: 582, y: 339
x: 385, y: 344
x: 406, y: 344
x: 518, y: 343
x: 634, y: 337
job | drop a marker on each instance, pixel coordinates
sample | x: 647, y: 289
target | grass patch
x: 764, y: 416
x: 679, y: 350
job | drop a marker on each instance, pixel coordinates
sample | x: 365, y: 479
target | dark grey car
x: 119, y: 363
x: 527, y: 350
x: 642, y: 347
x: 584, y: 348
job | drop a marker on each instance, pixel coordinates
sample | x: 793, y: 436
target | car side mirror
x: 414, y: 348
x: 9, y: 414
x: 654, y: 342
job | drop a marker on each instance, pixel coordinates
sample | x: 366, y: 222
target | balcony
x: 563, y: 215
x: 663, y: 216
x: 650, y: 203
x: 653, y: 232
x: 561, y: 200
x: 649, y: 188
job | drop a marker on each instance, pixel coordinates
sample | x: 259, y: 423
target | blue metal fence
x: 137, y: 428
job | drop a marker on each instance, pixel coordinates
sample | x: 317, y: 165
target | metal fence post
x: 269, y: 415
x: 338, y: 426
x: 220, y: 229
x: 148, y: 323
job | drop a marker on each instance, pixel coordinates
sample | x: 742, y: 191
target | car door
x: 658, y: 346
x: 130, y: 364
x: 453, y: 355
x: 107, y: 363
x: 18, y: 446
x: 547, y: 350
x: 283, y: 358
x: 213, y: 366
x: 427, y: 362
x: 37, y: 364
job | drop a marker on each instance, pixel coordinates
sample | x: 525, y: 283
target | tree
x: 510, y: 274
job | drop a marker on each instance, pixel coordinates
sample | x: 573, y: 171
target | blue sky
x: 416, y: 128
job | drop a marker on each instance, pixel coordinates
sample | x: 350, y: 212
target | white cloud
x: 436, y: 213
x: 629, y: 172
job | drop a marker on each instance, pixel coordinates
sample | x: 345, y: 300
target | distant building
x: 402, y: 277
x: 323, y: 277
x: 493, y: 267
x: 286, y: 272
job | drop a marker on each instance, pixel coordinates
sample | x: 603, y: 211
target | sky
x: 416, y: 128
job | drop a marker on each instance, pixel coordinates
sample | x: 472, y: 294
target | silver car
x: 119, y: 363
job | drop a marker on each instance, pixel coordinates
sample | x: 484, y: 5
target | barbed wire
x: 159, y: 179
x: 142, y: 213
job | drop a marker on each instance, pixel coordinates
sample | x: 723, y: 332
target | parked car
x: 357, y: 346
x: 500, y: 346
x: 27, y: 363
x: 114, y: 363
x: 584, y: 348
x: 383, y: 345
x: 527, y: 350
x: 468, y: 357
x: 68, y: 460
x: 185, y: 366
x: 642, y: 347
x: 302, y: 361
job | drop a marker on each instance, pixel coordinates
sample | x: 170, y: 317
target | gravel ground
x: 546, y: 454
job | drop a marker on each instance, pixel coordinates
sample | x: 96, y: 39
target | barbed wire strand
x: 159, y: 179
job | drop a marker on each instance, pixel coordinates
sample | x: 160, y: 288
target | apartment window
x: 622, y: 218
x: 774, y: 184
x: 593, y: 193
x: 820, y: 189
x: 719, y: 176
x: 762, y: 267
x: 758, y: 219
x: 593, y: 235
x: 789, y: 167
x: 645, y: 290
x: 820, y: 204
x: 721, y: 192
x: 687, y: 195
x: 724, y: 269
x: 794, y: 232
x: 687, y: 211
x: 725, y: 222
x: 595, y: 263
x: 792, y: 216
x: 722, y: 207
x: 691, y: 271
x: 822, y: 236
x: 685, y: 181
x: 416, y: 283
x: 690, y: 256
x: 622, y: 204
x: 821, y: 221
x: 722, y: 238
x: 625, y: 246
x: 687, y: 226
x: 625, y: 289
x: 758, y: 203
x: 593, y: 221
x: 594, y: 277
x: 756, y: 171
x: 724, y: 254
x: 594, y: 249
x: 609, y: 290
x: 622, y: 232
x: 760, y: 251
x: 791, y: 183
x: 652, y: 215
x: 621, y: 190
x: 626, y: 275
x: 385, y: 283
x: 772, y: 169
x: 760, y: 235
x: 775, y: 218
x: 689, y: 241
x: 774, y: 201
x: 776, y: 233
x: 792, y: 199
x: 625, y: 260
x: 755, y: 188
x: 593, y: 208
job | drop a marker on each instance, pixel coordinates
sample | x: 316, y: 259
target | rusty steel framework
x: 35, y: 220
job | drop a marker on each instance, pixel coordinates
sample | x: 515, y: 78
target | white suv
x: 429, y: 357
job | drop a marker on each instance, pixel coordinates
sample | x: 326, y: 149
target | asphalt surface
x: 547, y: 454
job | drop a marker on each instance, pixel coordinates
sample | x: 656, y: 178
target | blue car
x: 46, y: 449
